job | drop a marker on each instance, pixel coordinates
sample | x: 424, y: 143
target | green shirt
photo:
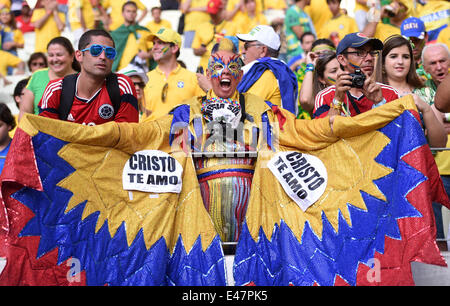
x: 295, y: 16
x: 37, y: 84
x: 427, y: 92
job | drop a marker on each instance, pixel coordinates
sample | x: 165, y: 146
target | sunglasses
x: 96, y: 50
x: 164, y: 92
x: 139, y: 84
x: 38, y: 64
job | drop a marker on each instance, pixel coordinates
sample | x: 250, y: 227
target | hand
x: 311, y: 58
x: 6, y: 82
x: 200, y: 51
x: 421, y: 105
x: 343, y: 84
x: 51, y: 5
x: 372, y: 90
x: 203, y: 82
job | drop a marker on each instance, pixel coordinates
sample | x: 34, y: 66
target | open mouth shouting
x: 225, y: 83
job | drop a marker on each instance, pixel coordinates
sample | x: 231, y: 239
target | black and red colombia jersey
x: 96, y: 110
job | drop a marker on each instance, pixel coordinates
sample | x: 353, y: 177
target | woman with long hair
x: 61, y: 62
x: 323, y: 74
x: 396, y: 67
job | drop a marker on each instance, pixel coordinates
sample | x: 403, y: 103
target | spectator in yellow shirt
x: 81, y: 18
x: 339, y: 25
x: 274, y: 5
x: 115, y: 16
x: 235, y: 9
x: 48, y: 23
x: 128, y: 37
x: 319, y: 12
x: 251, y: 18
x: 169, y: 83
x: 195, y: 13
x: 8, y: 59
x: 8, y: 25
x: 444, y: 36
x: 157, y: 23
x: 210, y: 33
x: 396, y: 11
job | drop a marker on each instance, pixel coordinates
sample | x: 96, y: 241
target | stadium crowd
x: 308, y: 58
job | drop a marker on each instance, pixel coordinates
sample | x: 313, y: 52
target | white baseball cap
x: 130, y: 71
x: 264, y: 34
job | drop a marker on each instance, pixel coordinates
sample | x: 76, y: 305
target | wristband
x: 336, y: 104
x: 309, y: 67
x: 379, y: 103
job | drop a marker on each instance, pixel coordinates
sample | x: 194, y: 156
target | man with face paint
x: 169, y: 83
x: 227, y: 123
x: 355, y: 91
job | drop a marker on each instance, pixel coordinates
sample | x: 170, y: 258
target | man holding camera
x: 355, y: 91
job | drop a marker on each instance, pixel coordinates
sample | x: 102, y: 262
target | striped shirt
x: 324, y: 99
x: 96, y: 110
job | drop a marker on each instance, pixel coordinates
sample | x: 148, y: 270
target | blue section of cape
x: 287, y: 81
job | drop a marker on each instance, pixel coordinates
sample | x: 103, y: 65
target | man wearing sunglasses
x: 99, y: 96
x: 355, y: 91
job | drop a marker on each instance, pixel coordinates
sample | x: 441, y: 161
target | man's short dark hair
x: 129, y: 3
x: 86, y: 38
x: 306, y: 34
x: 272, y: 52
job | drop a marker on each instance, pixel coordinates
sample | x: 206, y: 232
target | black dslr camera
x: 358, y: 79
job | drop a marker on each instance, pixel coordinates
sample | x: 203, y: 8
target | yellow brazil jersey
x: 47, y: 32
x: 116, y: 11
x: 8, y: 59
x: 343, y: 25
x: 319, y: 12
x: 385, y: 30
x: 86, y: 11
x: 208, y: 34
x: 359, y: 7
x: 274, y: 5
x: 434, y: 14
x: 245, y: 23
x: 154, y: 27
x: 163, y: 94
x: 231, y: 4
x: 444, y: 36
x: 133, y: 46
x: 18, y: 36
x: 267, y: 88
x: 194, y: 18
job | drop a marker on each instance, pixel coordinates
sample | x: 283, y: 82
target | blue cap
x: 413, y: 27
x: 356, y: 40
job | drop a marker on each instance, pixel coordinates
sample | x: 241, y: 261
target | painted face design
x: 218, y: 63
x: 224, y: 71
